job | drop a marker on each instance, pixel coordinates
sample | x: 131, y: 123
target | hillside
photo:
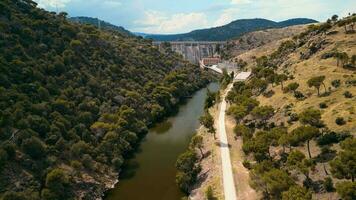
x: 256, y: 39
x: 103, y: 24
x: 231, y: 30
x: 75, y: 101
x: 296, y: 115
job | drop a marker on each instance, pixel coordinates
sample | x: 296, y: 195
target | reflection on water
x: 150, y: 174
x: 162, y: 128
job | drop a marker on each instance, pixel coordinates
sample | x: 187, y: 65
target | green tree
x: 237, y: 111
x: 263, y: 112
x: 297, y: 193
x: 293, y: 87
x: 310, y: 117
x: 277, y: 181
x: 280, y: 78
x: 197, y: 142
x: 296, y: 160
x: 57, y: 186
x: 188, y: 170
x: 343, y: 166
x: 305, y: 134
x: 209, y: 193
x: 207, y: 120
x: 316, y: 82
x: 34, y: 147
x: 347, y: 190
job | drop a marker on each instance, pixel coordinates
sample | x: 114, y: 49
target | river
x: 150, y: 174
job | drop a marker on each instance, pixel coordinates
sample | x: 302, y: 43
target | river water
x: 150, y: 175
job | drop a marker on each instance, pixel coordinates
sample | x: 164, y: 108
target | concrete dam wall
x: 193, y: 51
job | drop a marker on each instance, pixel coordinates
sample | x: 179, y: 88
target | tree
x: 297, y: 193
x: 311, y: 117
x: 57, y: 186
x: 343, y: 166
x: 293, y: 87
x: 197, y: 142
x: 317, y: 82
x: 237, y: 111
x: 210, y: 99
x: 263, y: 112
x: 347, y: 190
x: 277, y: 181
x: 334, y: 18
x: 296, y: 160
x: 305, y: 134
x: 34, y: 147
x: 188, y: 169
x: 280, y: 78
x: 208, y: 121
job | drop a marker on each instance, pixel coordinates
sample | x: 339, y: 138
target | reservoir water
x: 150, y: 174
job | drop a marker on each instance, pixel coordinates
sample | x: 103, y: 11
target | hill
x: 75, y: 101
x: 103, y: 24
x: 231, y: 30
x: 256, y: 39
x: 296, y: 115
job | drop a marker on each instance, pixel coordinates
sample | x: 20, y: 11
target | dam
x: 193, y: 51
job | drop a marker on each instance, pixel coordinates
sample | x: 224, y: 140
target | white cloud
x: 157, y: 22
x: 236, y: 2
x: 52, y: 3
x: 227, y: 16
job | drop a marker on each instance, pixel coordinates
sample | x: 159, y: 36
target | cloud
x: 52, y: 3
x: 158, y: 22
x: 236, y: 2
x: 227, y: 16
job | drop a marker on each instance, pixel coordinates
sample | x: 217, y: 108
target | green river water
x: 150, y: 174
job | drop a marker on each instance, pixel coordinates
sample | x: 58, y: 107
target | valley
x: 253, y: 109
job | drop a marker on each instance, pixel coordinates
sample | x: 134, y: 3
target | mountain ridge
x: 232, y: 30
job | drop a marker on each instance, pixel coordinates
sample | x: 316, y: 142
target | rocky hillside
x: 296, y: 115
x: 253, y: 40
x: 75, y: 101
x: 231, y: 30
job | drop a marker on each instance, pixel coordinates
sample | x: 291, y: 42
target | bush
x: 332, y: 138
x: 348, y: 94
x: 336, y: 83
x: 328, y: 184
x: 323, y: 105
x: 247, y: 164
x: 209, y: 193
x: 298, y: 95
x: 340, y: 121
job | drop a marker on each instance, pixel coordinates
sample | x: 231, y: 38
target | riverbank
x: 152, y: 169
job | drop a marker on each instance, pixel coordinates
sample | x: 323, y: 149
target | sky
x: 180, y: 16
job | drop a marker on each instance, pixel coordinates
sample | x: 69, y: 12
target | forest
x: 75, y: 101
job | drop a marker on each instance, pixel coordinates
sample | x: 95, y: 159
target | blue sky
x: 179, y: 16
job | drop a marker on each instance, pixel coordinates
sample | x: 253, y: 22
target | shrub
x: 323, y: 105
x: 340, y: 121
x: 298, y: 95
x: 247, y: 164
x: 332, y: 138
x: 209, y: 193
x: 328, y: 184
x: 336, y: 83
x: 348, y: 94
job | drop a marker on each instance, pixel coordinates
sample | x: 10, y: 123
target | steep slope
x: 75, y: 101
x: 231, y: 30
x: 103, y: 24
x: 256, y: 39
x: 297, y: 141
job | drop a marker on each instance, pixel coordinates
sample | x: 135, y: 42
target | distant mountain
x: 231, y: 30
x: 103, y: 24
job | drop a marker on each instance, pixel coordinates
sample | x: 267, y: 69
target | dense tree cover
x: 74, y: 96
